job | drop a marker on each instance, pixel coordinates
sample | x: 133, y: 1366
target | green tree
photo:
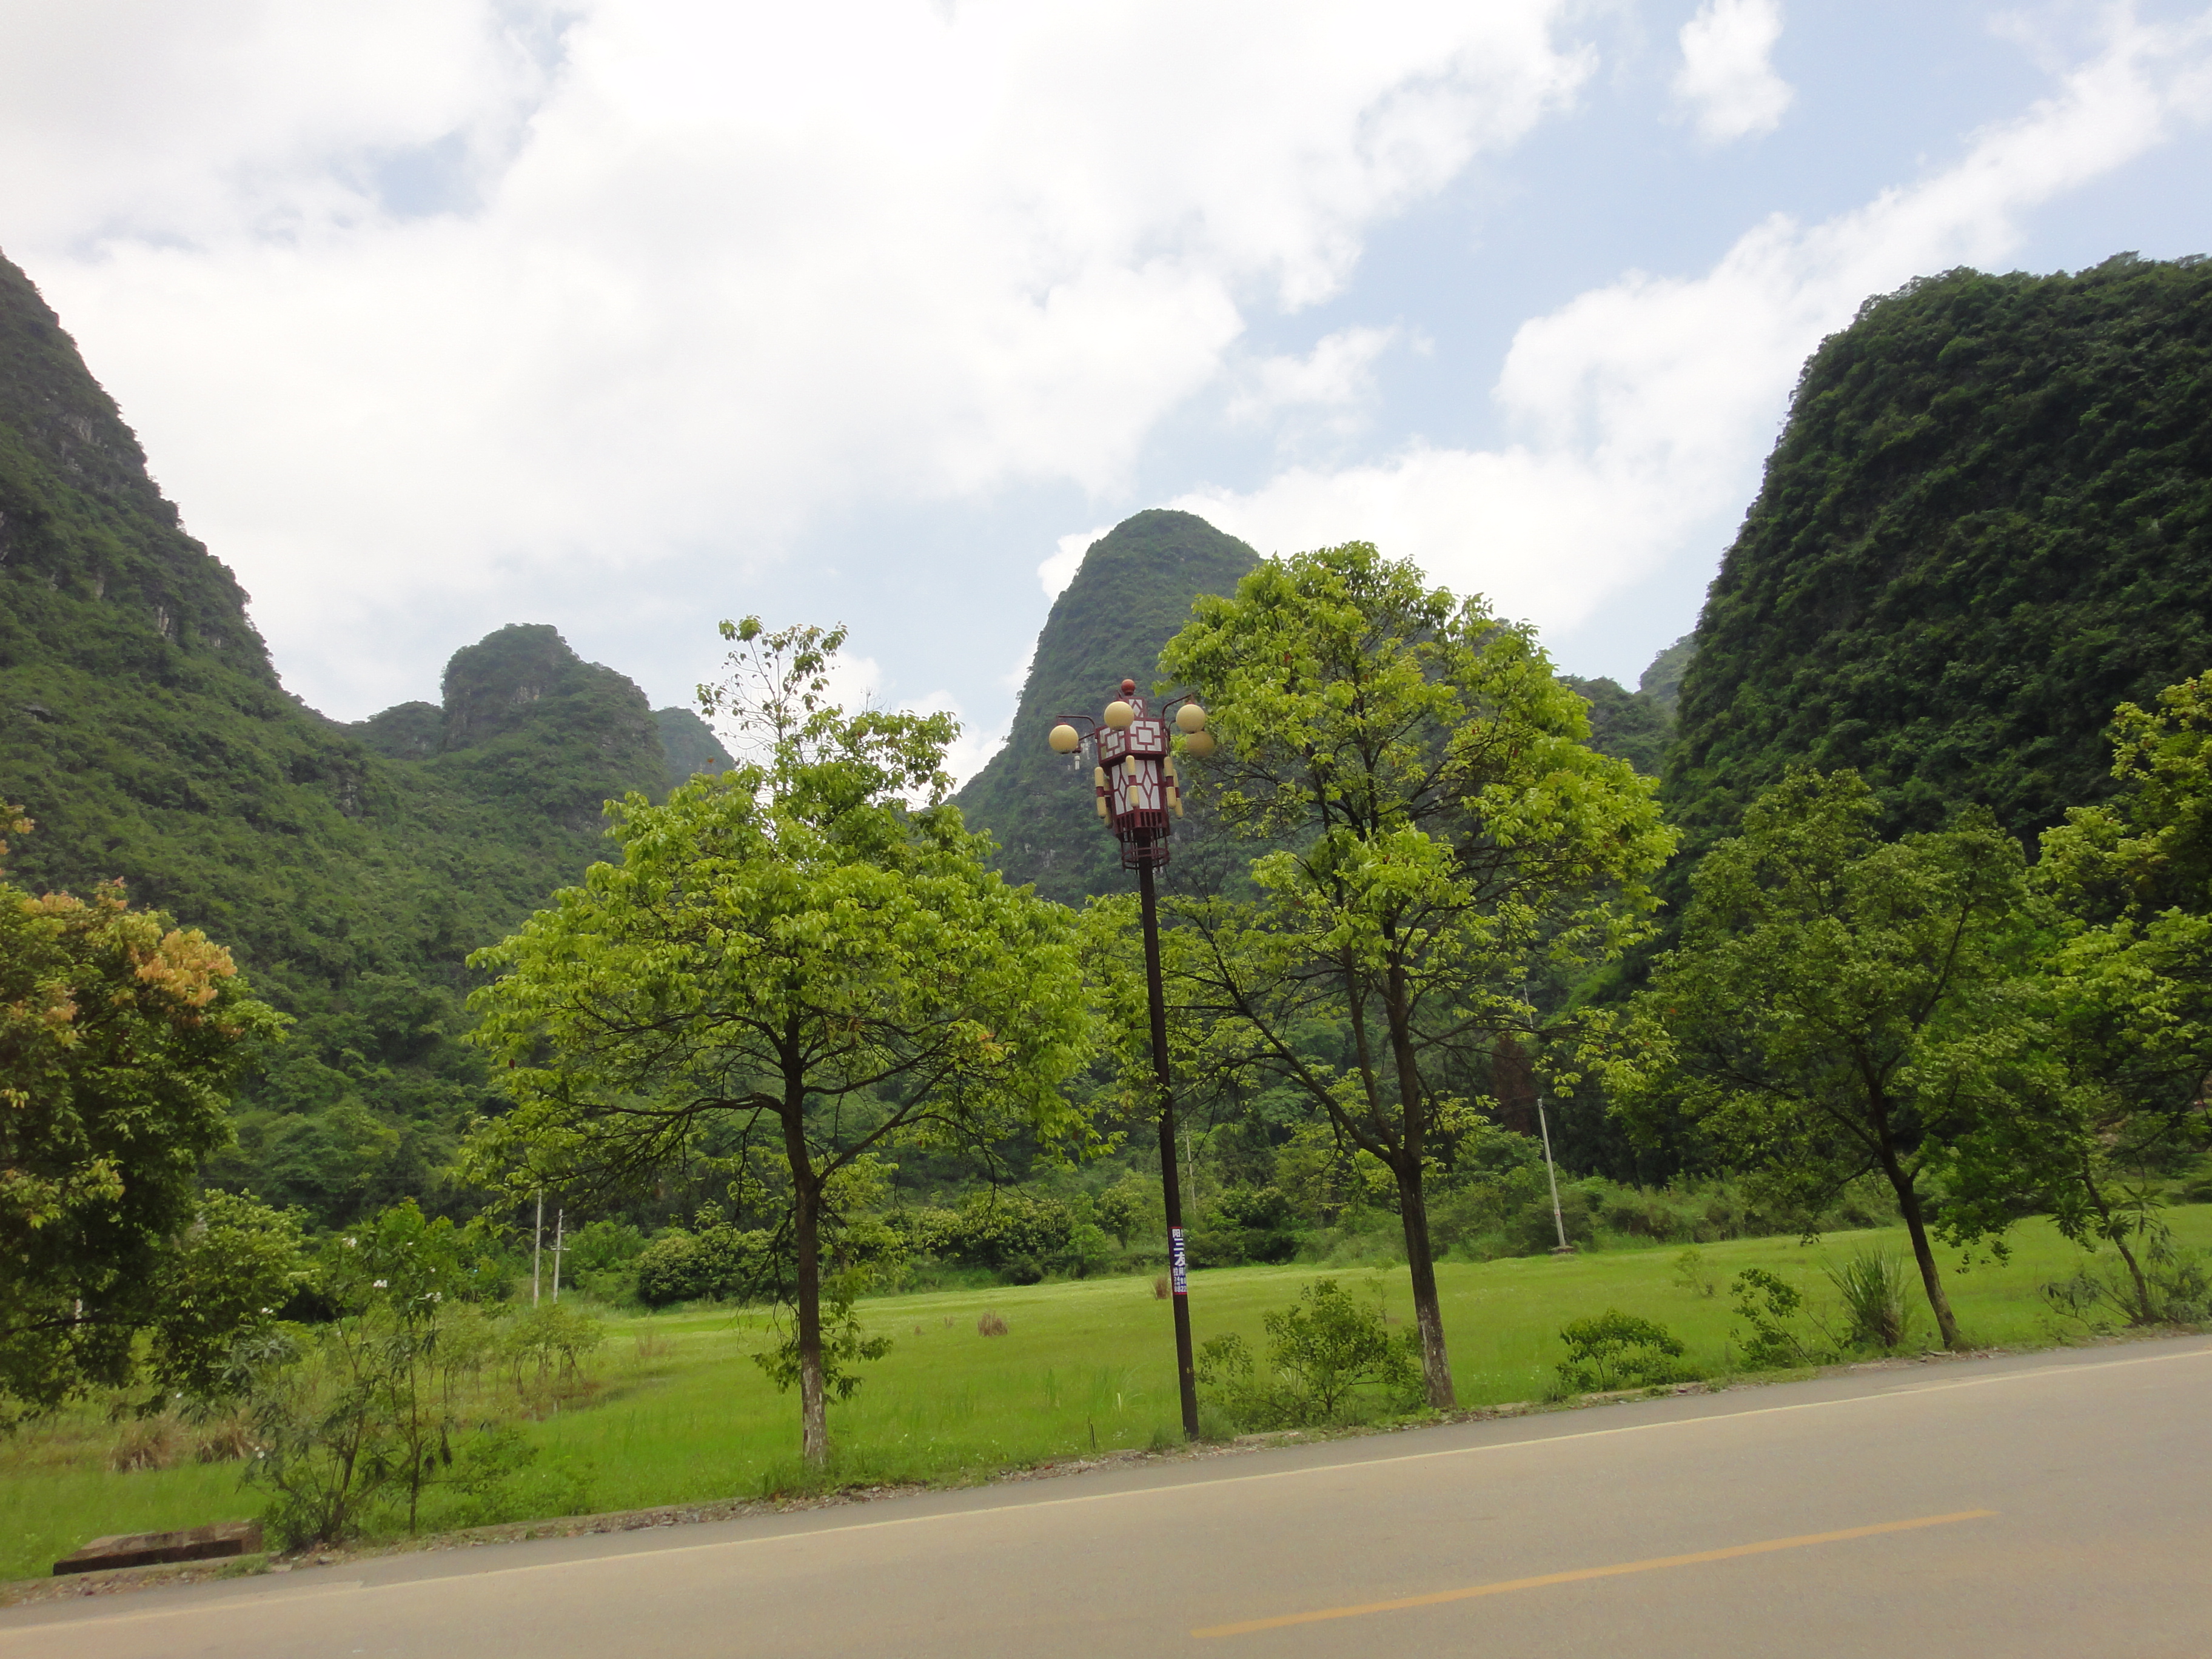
x: 1432, y: 822
x: 790, y: 971
x: 2114, y: 1080
x: 119, y: 1036
x: 1839, y: 1004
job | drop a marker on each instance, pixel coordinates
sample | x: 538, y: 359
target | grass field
x: 676, y: 1413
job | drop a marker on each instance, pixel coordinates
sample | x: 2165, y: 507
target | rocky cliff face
x: 81, y: 518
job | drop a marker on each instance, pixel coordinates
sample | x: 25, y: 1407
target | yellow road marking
x: 1655, y: 1565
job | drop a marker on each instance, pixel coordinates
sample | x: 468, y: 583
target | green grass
x: 677, y: 1413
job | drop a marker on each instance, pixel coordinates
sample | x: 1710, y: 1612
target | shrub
x: 363, y: 1414
x: 1872, y: 1287
x: 1767, y: 1304
x: 1617, y: 1350
x: 1124, y: 1208
x: 993, y: 1228
x: 598, y: 1258
x: 673, y: 1268
x: 991, y: 1324
x: 1263, y: 1208
x: 149, y: 1442
x: 1642, y: 1214
x: 1321, y: 1351
x: 717, y: 1261
x: 1535, y: 1231
x: 1229, y: 1246
x: 1691, y: 1275
x: 1090, y: 1251
x: 2174, y: 1288
x: 549, y: 1338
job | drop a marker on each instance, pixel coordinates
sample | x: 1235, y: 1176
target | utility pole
x: 1137, y: 798
x: 1552, y: 1169
x: 559, y: 1217
x: 537, y: 1246
x: 1170, y: 1184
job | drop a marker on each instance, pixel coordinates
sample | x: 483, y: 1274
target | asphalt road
x: 2051, y: 1503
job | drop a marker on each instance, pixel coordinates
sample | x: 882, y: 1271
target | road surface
x: 2051, y: 1503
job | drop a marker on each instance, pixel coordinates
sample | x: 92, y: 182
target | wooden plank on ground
x: 144, y: 1549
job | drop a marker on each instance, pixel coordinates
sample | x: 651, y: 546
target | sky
x: 630, y: 315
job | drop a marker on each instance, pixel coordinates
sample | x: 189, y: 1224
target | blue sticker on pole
x: 1177, y: 1262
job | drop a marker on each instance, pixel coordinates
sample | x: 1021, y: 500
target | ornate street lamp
x: 1133, y: 778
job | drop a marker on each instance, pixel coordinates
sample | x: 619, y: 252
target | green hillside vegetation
x: 1987, y: 523
x: 1631, y: 725
x: 350, y: 869
x: 689, y: 744
x: 1662, y: 680
x: 1133, y: 590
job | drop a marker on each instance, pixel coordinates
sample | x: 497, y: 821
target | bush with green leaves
x: 716, y: 1261
x: 995, y: 1228
x: 362, y: 1416
x: 550, y: 1341
x: 1322, y: 1352
x: 1247, y: 1224
x: 1125, y: 1208
x: 1768, y: 1304
x: 2165, y: 1285
x: 1691, y: 1273
x: 598, y: 1259
x: 1617, y: 1350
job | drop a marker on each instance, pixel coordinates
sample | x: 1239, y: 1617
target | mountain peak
x: 91, y: 553
x: 1131, y: 594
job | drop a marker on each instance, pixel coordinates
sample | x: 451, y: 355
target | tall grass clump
x: 1873, y: 1288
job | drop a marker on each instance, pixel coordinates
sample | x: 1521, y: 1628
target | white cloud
x: 1056, y: 572
x: 1726, y: 80
x: 1337, y: 374
x: 1643, y: 410
x: 416, y: 301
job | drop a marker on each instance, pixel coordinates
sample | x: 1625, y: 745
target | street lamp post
x: 1133, y: 778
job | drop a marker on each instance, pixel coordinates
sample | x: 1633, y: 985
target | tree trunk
x: 813, y: 1409
x: 807, y: 1245
x: 1413, y: 1203
x: 1436, y: 1366
x: 1908, y: 1201
x: 2144, y: 1313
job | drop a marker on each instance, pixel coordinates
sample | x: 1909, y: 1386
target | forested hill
x: 351, y: 869
x: 1133, y: 590
x: 1987, y: 520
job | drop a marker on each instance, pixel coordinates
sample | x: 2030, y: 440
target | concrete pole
x: 1553, y: 1169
